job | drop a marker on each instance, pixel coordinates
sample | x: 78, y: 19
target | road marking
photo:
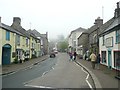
x: 86, y: 77
x: 25, y: 83
x: 9, y: 74
x: 37, y: 86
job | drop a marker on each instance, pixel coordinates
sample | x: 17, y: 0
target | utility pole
x: 30, y: 25
x: 103, y: 12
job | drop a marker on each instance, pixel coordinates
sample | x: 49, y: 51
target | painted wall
x: 32, y: 40
x: 105, y: 48
x: 38, y: 49
x: 11, y: 42
x: 73, y: 39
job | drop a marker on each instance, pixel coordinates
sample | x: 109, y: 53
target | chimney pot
x: 117, y: 10
x: 98, y: 21
x: 118, y: 5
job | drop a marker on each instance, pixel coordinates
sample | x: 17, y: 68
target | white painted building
x: 73, y: 39
x: 109, y: 43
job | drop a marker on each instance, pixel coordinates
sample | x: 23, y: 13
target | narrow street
x: 56, y: 72
x: 17, y: 80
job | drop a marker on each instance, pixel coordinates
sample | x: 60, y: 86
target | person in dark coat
x: 75, y: 54
x: 98, y: 61
x: 71, y: 56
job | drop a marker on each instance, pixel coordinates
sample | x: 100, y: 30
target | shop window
x: 116, y: 58
x: 103, y: 55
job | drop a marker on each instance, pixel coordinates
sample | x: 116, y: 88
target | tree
x: 62, y: 46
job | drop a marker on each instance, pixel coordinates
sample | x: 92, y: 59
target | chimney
x: 16, y: 21
x: 98, y: 21
x: 117, y: 10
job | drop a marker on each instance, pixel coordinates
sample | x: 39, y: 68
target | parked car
x: 52, y: 55
x: 56, y: 52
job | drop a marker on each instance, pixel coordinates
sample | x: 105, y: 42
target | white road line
x: 86, y: 77
x: 41, y: 76
x: 45, y: 73
x: 25, y: 83
x: 37, y: 86
x: 8, y: 74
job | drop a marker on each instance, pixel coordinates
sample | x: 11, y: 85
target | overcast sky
x: 56, y: 16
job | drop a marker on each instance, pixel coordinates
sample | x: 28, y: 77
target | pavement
x: 7, y: 69
x: 104, y: 75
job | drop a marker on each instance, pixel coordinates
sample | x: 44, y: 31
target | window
x: 32, y: 45
x: 74, y: 43
x: 103, y: 40
x: 27, y: 42
x: 7, y: 35
x: 18, y: 40
x: 118, y: 36
x: 103, y: 55
x: 116, y: 58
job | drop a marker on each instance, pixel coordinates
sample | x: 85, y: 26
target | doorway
x: 6, y: 54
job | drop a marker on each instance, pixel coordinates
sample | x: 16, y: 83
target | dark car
x: 52, y: 55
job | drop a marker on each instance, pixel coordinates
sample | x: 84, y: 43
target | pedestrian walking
x: 75, y: 54
x: 98, y: 61
x: 93, y: 60
x: 22, y: 58
x: 71, y: 56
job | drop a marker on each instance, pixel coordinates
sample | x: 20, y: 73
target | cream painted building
x: 7, y: 47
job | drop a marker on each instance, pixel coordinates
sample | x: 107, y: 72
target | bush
x: 16, y: 60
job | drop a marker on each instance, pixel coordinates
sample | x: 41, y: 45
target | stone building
x: 94, y: 32
x: 83, y: 43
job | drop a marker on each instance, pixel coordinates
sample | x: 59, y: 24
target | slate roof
x: 113, y: 22
x: 32, y: 34
x: 105, y: 26
x: 37, y: 34
x: 85, y: 32
x: 6, y: 27
x: 92, y: 28
x: 78, y: 29
x: 21, y: 30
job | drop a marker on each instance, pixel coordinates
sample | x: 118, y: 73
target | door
x: 109, y: 59
x: 6, y: 54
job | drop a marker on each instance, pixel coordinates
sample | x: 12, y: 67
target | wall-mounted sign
x: 109, y: 42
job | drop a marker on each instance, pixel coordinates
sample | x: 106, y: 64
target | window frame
x: 8, y: 35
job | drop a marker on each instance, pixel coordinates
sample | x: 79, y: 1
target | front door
x: 109, y: 59
x: 6, y: 54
